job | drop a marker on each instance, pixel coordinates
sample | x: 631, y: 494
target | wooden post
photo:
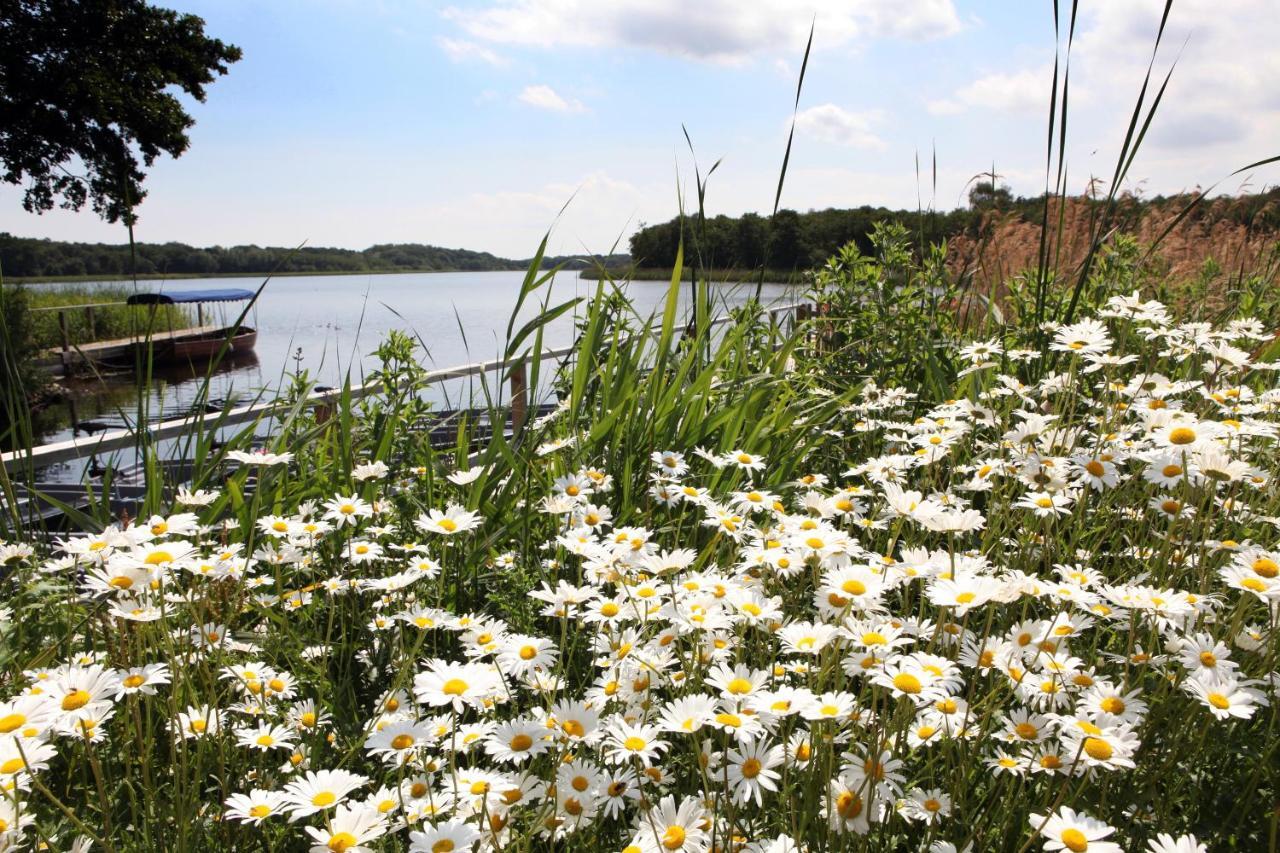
x: 66, y: 339
x: 89, y: 322
x: 803, y: 314
x: 519, y: 396
x: 200, y: 314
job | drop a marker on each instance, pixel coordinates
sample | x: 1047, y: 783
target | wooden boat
x: 204, y: 343
x: 209, y: 344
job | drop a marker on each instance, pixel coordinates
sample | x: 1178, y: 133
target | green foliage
x: 20, y: 379
x: 31, y: 258
x: 108, y: 322
x: 91, y: 83
x: 802, y: 241
x: 886, y: 316
x: 789, y: 241
x: 986, y: 195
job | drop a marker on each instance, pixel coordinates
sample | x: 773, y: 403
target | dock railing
x: 122, y: 439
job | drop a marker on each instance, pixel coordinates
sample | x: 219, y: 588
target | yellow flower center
x: 848, y: 805
x: 1180, y: 436
x: 1074, y: 840
x: 634, y: 744
x: 521, y: 742
x: 673, y: 838
x: 75, y: 700
x: 1219, y: 701
x: 907, y: 683
x: 1098, y: 749
x: 455, y: 687
x: 402, y: 741
x: 324, y: 798
x: 342, y: 842
x: 1265, y: 567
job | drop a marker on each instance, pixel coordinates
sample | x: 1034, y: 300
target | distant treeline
x: 789, y: 240
x: 22, y: 257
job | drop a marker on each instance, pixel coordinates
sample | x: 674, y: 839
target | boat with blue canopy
x: 186, y: 297
x: 203, y: 343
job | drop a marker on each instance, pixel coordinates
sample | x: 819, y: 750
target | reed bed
x: 108, y: 320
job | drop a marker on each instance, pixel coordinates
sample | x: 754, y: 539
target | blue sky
x: 470, y: 124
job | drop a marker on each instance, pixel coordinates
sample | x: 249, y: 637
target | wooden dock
x: 59, y: 359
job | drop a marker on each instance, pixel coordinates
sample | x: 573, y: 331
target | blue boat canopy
x: 230, y: 294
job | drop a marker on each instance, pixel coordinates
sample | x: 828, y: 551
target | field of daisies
x: 722, y: 598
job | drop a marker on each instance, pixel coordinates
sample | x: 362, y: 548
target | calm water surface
x: 331, y: 326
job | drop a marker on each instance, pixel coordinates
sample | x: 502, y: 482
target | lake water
x: 331, y: 325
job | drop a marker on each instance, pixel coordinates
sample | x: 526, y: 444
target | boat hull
x: 201, y: 348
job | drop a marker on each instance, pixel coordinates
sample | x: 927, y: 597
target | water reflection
x: 112, y: 399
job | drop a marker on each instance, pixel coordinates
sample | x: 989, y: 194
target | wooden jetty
x: 161, y: 346
x: 115, y: 352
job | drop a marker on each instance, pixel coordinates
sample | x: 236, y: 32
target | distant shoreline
x: 71, y: 279
x: 591, y: 273
x: 736, y: 276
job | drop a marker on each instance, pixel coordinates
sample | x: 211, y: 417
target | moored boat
x: 203, y: 343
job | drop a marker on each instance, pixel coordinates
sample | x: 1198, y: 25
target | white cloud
x: 1221, y: 109
x: 713, y: 30
x: 545, y: 98
x: 461, y: 50
x: 1223, y: 88
x: 831, y: 123
x: 1025, y: 91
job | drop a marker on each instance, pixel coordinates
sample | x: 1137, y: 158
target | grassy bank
x: 102, y: 322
